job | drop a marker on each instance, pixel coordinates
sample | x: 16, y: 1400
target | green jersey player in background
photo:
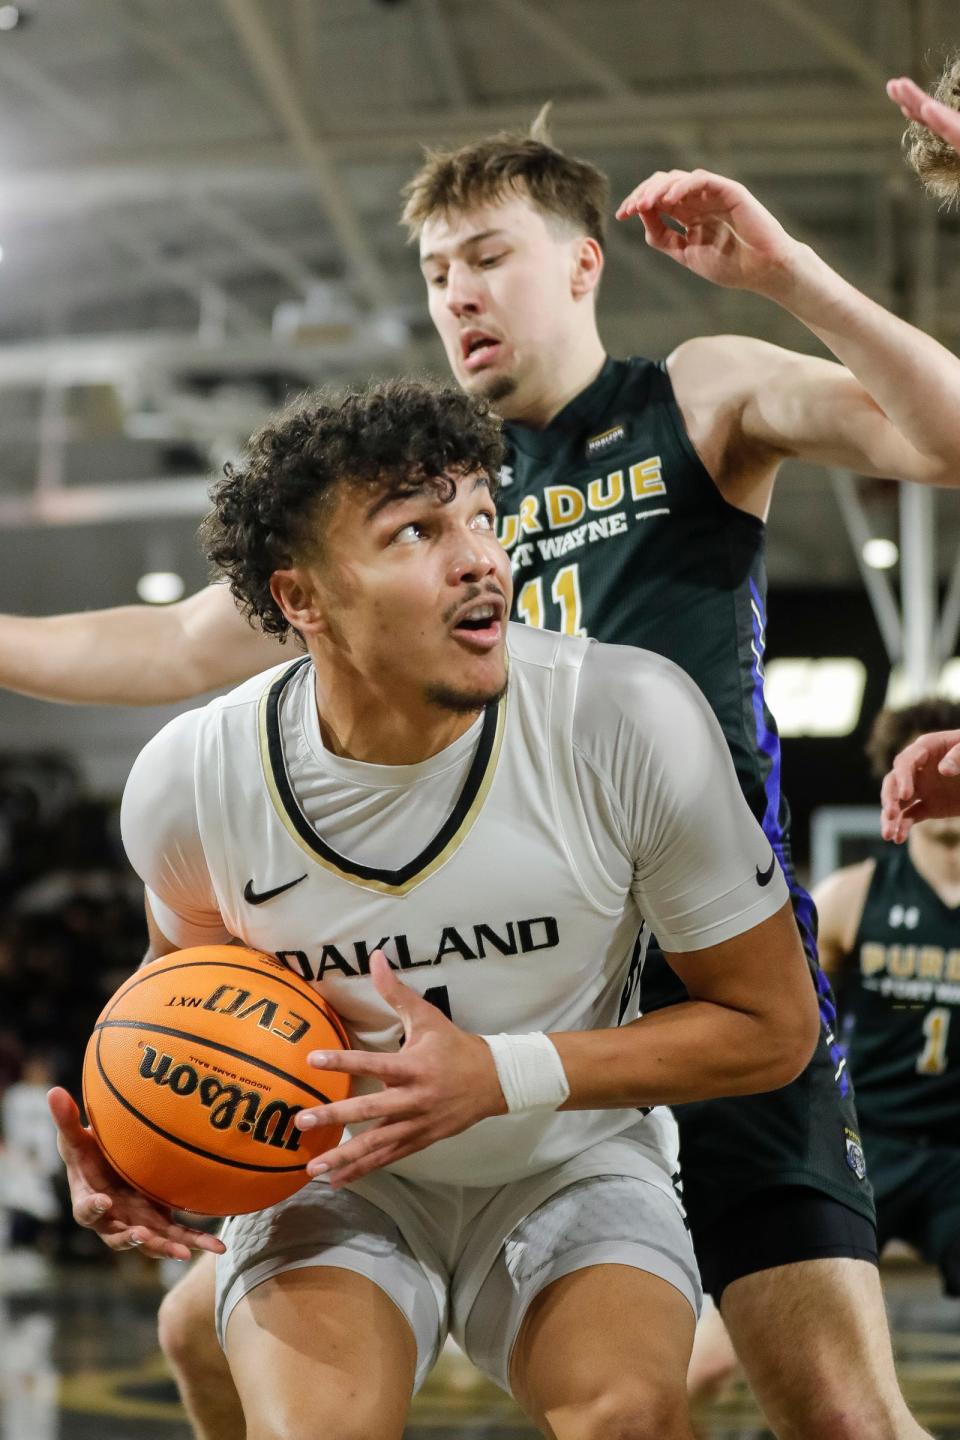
x: 890, y: 940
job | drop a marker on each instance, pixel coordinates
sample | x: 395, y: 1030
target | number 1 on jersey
x: 936, y: 1027
x: 439, y: 997
x: 564, y: 592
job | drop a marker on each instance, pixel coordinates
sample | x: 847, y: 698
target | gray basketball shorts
x: 464, y: 1260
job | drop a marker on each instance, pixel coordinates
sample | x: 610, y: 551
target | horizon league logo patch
x: 600, y: 444
x: 856, y: 1160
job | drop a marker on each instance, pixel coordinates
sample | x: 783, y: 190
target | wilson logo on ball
x: 229, y: 1106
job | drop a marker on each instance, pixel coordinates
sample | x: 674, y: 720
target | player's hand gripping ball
x: 196, y: 1071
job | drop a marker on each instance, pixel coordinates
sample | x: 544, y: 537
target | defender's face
x: 419, y: 593
x: 499, y: 287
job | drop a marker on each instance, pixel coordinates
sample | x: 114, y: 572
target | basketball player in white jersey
x: 463, y: 866
x: 746, y: 407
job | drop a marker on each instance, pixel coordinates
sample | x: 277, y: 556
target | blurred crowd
x: 71, y: 928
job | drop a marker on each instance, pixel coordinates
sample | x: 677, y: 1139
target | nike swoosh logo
x: 254, y: 897
x: 765, y: 876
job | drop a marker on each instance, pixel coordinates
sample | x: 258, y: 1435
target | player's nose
x: 473, y: 559
x: 463, y: 294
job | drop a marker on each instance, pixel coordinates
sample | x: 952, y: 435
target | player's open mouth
x: 480, y: 625
x: 478, y: 349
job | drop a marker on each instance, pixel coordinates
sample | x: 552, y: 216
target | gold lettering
x: 902, y: 961
x: 565, y: 506
x: 873, y: 957
x: 529, y: 506
x: 953, y: 965
x: 600, y: 499
x: 509, y: 528
x: 646, y: 478
x: 930, y: 964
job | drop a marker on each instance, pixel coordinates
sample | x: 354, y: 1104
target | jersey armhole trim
x: 679, y: 428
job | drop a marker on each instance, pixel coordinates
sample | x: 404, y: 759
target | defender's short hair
x: 893, y: 729
x: 561, y: 186
x: 935, y: 160
x: 397, y: 436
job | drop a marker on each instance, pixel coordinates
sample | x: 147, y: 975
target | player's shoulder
x: 725, y: 363
x: 640, y: 685
x: 621, y: 688
x: 845, y: 890
x: 250, y: 692
x: 637, y: 708
x: 174, y: 746
x: 540, y: 649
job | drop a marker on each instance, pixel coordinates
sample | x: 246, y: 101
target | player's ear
x: 587, y: 266
x: 295, y: 592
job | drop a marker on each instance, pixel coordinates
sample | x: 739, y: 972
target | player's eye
x: 437, y: 282
x: 489, y: 261
x: 409, y: 534
x: 485, y: 520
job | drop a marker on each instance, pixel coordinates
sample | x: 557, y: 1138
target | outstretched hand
x: 103, y: 1201
x: 916, y: 104
x: 923, y: 784
x: 442, y: 1081
x: 728, y: 237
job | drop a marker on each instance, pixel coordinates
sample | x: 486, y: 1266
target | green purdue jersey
x: 616, y: 530
x: 901, y: 1005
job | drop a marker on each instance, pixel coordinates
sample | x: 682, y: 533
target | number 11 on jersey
x: 565, y: 592
x: 933, y: 1057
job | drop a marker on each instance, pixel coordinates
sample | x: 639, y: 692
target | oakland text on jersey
x: 463, y: 942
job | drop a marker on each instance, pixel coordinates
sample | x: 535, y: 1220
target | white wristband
x: 530, y: 1071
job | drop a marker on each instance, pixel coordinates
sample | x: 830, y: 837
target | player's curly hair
x: 561, y: 186
x: 893, y: 729
x: 396, y: 436
x: 935, y: 160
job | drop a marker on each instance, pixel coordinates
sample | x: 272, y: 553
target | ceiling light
x: 816, y: 697
x: 10, y: 17
x: 880, y: 554
x: 160, y: 587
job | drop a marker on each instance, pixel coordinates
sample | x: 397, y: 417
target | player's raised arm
x: 134, y: 654
x: 890, y: 409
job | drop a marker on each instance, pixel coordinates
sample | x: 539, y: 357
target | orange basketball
x: 195, y: 1072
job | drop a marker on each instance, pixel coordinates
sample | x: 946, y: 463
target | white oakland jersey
x: 512, y: 880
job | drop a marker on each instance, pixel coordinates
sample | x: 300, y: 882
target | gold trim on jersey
x: 448, y: 839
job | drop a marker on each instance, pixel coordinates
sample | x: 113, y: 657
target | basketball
x: 195, y: 1072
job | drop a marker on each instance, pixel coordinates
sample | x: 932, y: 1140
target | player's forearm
x: 697, y: 1050
x: 119, y: 656
x: 131, y: 655
x: 913, y: 379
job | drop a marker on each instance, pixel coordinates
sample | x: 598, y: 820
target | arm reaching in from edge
x: 135, y: 654
x: 888, y: 409
x: 924, y: 784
